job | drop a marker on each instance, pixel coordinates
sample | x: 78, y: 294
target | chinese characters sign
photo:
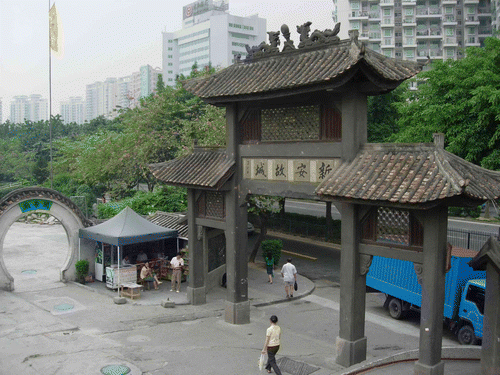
x: 291, y: 170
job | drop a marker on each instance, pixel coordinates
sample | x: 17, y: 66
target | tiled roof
x: 171, y: 220
x: 309, y: 69
x: 409, y: 174
x: 201, y: 169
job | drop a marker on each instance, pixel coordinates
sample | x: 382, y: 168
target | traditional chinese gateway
x: 297, y: 127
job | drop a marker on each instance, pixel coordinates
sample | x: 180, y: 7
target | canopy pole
x: 119, y: 271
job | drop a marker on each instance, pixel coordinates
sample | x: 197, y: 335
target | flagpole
x: 50, y: 106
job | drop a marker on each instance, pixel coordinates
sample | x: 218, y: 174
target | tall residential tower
x: 415, y: 29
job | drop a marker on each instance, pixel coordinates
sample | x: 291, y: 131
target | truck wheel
x: 466, y: 335
x: 395, y: 308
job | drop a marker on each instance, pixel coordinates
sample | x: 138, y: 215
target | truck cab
x: 471, y: 311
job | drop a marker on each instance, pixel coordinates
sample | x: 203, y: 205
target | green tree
x: 460, y: 99
x: 382, y: 114
x: 262, y: 207
x: 160, y: 85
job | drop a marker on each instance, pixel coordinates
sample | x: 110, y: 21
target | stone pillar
x: 354, y: 123
x: 433, y: 284
x: 237, y: 303
x: 351, y: 342
x: 490, y: 352
x: 196, y: 291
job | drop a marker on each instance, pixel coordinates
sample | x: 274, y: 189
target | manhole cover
x: 64, y: 307
x: 115, y: 370
x: 296, y: 368
x: 28, y: 272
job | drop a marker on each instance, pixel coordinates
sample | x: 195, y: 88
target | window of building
x: 354, y: 5
x: 241, y: 36
x: 170, y: 41
x: 387, y: 32
x: 387, y: 12
x: 450, y: 52
x: 409, y: 11
x: 355, y: 25
x: 471, y: 30
x: 448, y: 10
x: 170, y: 48
x: 170, y: 72
x: 471, y: 10
x: 449, y: 31
x: 408, y: 32
x: 387, y: 53
x: 170, y: 64
x: 170, y: 56
x: 409, y: 54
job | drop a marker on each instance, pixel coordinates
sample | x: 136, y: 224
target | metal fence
x: 469, y: 239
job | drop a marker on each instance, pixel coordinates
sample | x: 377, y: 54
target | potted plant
x: 82, y: 270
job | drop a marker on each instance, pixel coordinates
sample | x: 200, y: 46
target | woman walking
x: 272, y: 345
x: 270, y: 266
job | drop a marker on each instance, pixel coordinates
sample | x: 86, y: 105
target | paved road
x: 34, y: 339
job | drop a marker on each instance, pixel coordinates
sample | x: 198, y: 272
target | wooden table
x: 132, y: 290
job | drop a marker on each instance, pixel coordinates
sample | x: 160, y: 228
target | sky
x: 111, y: 38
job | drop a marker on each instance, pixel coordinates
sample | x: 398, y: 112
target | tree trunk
x: 262, y: 236
x: 329, y: 221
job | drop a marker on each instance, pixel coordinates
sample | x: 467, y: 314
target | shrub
x: 274, y: 247
x: 82, y: 269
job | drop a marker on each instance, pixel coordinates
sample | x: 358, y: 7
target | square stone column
x: 433, y: 285
x: 237, y: 303
x: 196, y: 291
x: 490, y: 352
x: 351, y: 342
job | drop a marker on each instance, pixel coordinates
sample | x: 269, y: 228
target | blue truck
x: 464, y: 292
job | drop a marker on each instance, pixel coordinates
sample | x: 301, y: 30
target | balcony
x: 436, y: 52
x: 388, y: 43
x: 449, y: 19
x: 410, y: 42
x: 356, y: 14
x: 409, y: 21
x: 471, y: 20
x: 428, y: 12
x: 375, y: 36
x: 471, y: 2
x: 431, y: 33
x: 387, y: 22
x: 387, y: 3
x: 485, y: 31
x: 423, y: 53
x: 450, y: 41
x: 374, y: 15
x: 409, y: 2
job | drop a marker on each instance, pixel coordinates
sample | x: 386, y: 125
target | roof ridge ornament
x: 316, y: 39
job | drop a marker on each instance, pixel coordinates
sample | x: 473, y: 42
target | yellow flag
x: 56, y: 34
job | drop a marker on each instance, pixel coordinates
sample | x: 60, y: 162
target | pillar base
x: 421, y: 369
x: 350, y: 352
x: 197, y: 296
x: 237, y: 313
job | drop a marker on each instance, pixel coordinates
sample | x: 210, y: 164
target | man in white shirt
x: 289, y: 274
x: 176, y: 264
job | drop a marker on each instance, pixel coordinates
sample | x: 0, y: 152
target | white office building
x: 209, y: 35
x: 108, y: 97
x: 33, y: 108
x: 416, y: 29
x: 73, y: 110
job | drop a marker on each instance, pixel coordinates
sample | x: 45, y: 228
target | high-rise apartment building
x: 33, y: 108
x: 108, y: 97
x: 209, y: 35
x: 416, y: 29
x: 1, y: 109
x: 73, y: 110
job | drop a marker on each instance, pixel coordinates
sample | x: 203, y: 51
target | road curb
x: 465, y: 352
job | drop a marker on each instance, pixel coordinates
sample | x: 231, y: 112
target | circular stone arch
x: 23, y: 201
